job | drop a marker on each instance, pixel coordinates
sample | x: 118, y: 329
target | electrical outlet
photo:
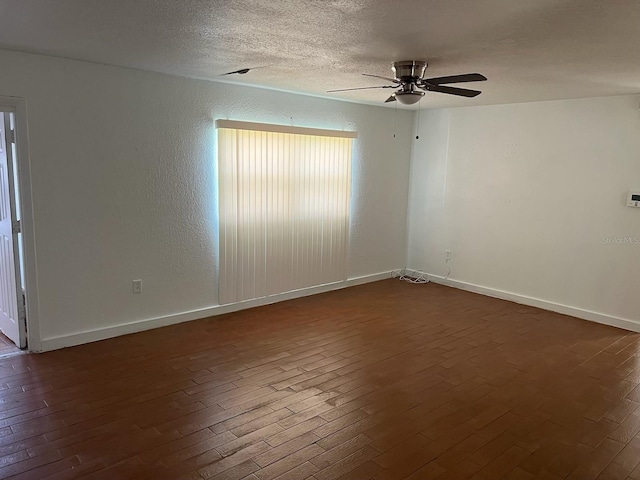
x: 447, y: 254
x: 136, y: 286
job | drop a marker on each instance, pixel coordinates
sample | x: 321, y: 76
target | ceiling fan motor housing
x: 409, y: 69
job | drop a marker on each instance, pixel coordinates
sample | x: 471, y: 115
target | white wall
x: 523, y: 195
x: 123, y: 188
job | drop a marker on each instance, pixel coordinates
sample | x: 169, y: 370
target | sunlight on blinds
x: 283, y: 210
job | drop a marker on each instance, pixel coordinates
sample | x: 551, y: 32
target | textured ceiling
x: 529, y: 49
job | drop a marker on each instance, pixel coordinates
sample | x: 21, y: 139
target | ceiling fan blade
x: 383, y: 78
x: 467, y: 77
x: 392, y: 98
x: 461, y: 92
x: 361, y: 88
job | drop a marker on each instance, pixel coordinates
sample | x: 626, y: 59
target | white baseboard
x: 598, y: 317
x: 54, y: 343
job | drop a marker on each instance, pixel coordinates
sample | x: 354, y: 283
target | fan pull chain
x: 395, y: 116
x: 418, y: 123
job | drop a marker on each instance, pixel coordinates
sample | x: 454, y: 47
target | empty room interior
x: 319, y: 240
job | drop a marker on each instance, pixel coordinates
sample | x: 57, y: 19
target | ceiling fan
x: 408, y: 79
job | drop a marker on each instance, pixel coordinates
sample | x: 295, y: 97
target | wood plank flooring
x: 7, y: 347
x: 382, y: 381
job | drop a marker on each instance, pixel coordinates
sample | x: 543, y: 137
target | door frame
x: 19, y: 107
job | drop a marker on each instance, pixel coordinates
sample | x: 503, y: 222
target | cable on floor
x: 412, y: 277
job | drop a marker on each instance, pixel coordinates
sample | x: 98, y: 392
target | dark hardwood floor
x: 385, y: 381
x: 7, y: 347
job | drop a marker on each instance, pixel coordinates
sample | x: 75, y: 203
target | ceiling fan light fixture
x: 409, y: 98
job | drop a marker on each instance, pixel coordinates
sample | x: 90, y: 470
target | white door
x: 10, y: 291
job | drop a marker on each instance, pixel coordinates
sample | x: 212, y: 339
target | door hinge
x: 12, y: 136
x: 22, y: 311
x: 16, y: 227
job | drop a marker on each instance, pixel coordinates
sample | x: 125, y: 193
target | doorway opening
x: 13, y: 320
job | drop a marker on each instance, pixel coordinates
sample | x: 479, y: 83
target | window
x: 283, y: 208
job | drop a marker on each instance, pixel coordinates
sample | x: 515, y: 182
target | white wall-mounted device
x: 634, y: 199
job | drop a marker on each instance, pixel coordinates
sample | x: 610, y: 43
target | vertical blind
x: 283, y: 208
